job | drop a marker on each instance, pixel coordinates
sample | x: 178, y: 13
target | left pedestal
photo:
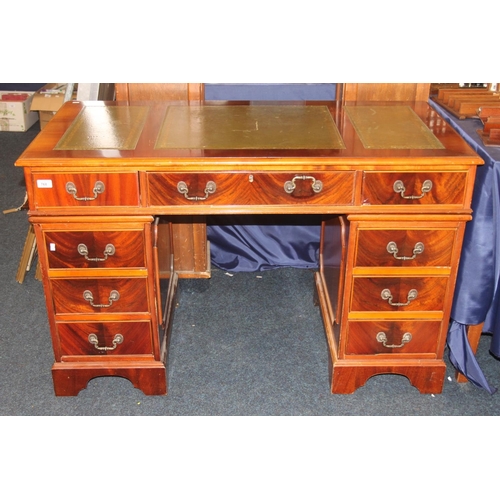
x: 104, y: 303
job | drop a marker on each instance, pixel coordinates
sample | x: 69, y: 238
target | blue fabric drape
x: 270, y: 91
x: 476, y: 298
x: 462, y: 357
x: 258, y: 243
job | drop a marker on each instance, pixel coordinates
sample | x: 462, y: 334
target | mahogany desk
x: 393, y: 191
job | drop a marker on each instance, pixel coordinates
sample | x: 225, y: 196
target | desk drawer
x: 398, y: 294
x: 105, y: 339
x: 85, y: 190
x: 95, y: 249
x: 392, y: 337
x: 414, y: 188
x: 404, y: 248
x: 316, y: 188
x: 100, y: 295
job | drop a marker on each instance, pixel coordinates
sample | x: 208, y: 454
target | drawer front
x: 316, y: 188
x: 405, y: 248
x: 392, y: 337
x: 419, y: 188
x: 85, y: 190
x: 100, y: 295
x: 95, y: 249
x: 398, y: 294
x: 105, y: 339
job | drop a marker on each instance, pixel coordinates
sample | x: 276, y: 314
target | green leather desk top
x: 391, y: 127
x: 249, y: 127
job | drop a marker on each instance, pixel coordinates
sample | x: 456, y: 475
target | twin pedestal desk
x: 392, y: 181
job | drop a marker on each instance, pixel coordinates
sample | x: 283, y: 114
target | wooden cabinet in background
x: 192, y: 92
x: 384, y: 91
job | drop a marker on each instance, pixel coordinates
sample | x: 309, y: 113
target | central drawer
x: 260, y: 188
x: 100, y: 295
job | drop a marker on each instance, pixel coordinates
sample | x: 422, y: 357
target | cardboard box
x: 16, y: 114
x: 45, y: 117
x: 48, y: 100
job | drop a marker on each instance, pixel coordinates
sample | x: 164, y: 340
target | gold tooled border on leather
x: 391, y: 127
x: 105, y: 127
x: 249, y: 127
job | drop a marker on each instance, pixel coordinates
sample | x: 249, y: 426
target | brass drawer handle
x: 108, y: 250
x: 399, y: 187
x: 117, y: 339
x: 290, y: 186
x: 382, y: 338
x: 113, y: 297
x: 98, y: 189
x: 209, y: 189
x: 387, y: 295
x: 393, y: 249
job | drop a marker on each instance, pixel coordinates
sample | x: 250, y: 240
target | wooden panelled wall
x: 385, y: 91
x: 160, y: 92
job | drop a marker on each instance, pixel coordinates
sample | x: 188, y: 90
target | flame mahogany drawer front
x: 95, y: 249
x: 398, y: 294
x: 100, y: 295
x: 392, y: 338
x: 321, y: 188
x: 85, y: 190
x: 407, y: 188
x: 405, y: 248
x: 105, y: 339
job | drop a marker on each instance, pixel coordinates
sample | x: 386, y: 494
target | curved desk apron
x: 477, y: 294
